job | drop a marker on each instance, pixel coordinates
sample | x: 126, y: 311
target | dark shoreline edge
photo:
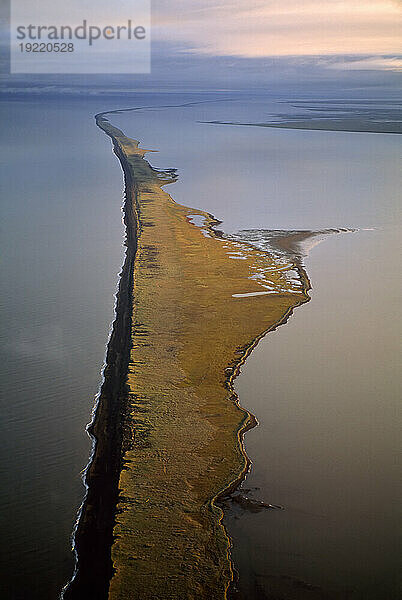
x: 311, y: 126
x: 249, y: 422
x: 93, y: 535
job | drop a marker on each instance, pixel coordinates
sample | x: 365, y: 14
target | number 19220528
x: 47, y: 47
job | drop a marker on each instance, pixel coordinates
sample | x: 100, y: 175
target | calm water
x: 62, y: 250
x: 323, y: 387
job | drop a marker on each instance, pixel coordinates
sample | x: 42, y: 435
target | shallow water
x: 252, y: 177
x: 325, y: 389
x: 323, y: 386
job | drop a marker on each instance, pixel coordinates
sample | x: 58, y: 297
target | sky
x: 259, y: 28
x: 262, y: 43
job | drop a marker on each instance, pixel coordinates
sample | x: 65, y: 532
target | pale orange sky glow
x: 280, y: 28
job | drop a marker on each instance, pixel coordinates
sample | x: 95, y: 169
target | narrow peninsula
x: 192, y: 305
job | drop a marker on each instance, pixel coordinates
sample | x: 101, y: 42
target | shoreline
x: 94, y: 535
x: 312, y: 126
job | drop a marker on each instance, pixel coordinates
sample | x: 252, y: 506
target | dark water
x: 326, y: 390
x: 323, y: 386
x: 61, y: 254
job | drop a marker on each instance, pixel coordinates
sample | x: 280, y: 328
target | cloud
x: 281, y: 27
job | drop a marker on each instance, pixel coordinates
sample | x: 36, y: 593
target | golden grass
x: 183, y: 426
